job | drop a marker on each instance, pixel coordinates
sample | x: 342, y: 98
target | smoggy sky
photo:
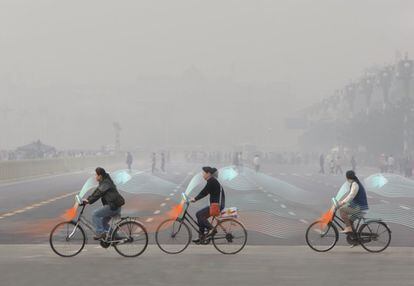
x: 305, y: 48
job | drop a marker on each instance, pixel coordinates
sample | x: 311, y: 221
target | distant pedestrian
x: 338, y: 165
x: 332, y: 167
x: 256, y: 163
x: 353, y: 163
x: 129, y: 160
x: 154, y: 162
x: 162, y: 162
x: 240, y: 160
x: 391, y: 164
x: 322, y: 164
x: 383, y: 163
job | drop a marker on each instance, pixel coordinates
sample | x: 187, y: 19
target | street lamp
x: 405, y: 70
x: 350, y: 92
x: 385, y: 78
x: 367, y: 87
x: 117, y: 129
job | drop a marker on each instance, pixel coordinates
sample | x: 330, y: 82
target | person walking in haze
x: 129, y: 160
x: 353, y: 163
x: 322, y: 164
x: 256, y: 163
x: 338, y: 165
x: 217, y: 202
x: 391, y: 164
x: 112, y: 202
x: 162, y: 162
x: 154, y: 162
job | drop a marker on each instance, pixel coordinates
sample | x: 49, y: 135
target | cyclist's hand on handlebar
x: 84, y: 202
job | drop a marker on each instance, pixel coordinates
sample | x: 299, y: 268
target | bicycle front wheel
x: 321, y: 236
x: 130, y: 238
x: 173, y: 236
x: 67, y: 239
x: 230, y: 236
x: 374, y: 236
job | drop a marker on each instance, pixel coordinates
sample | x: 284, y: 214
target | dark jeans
x: 202, y: 219
x: 102, y: 216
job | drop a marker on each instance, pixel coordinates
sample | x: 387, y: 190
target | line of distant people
x: 403, y: 164
x: 335, y: 164
x: 154, y: 162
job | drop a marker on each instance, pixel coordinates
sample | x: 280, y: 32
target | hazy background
x: 178, y: 73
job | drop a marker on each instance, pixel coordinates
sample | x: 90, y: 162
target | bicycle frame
x: 192, y: 222
x: 339, y: 222
x: 81, y: 220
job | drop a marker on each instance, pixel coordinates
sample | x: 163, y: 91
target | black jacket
x: 214, y: 189
x: 108, y: 193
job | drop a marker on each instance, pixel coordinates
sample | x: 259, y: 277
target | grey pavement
x: 256, y: 265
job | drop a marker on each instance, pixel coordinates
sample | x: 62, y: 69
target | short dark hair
x: 209, y: 170
x: 101, y: 172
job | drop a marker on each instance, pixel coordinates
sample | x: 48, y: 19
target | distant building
x: 35, y: 150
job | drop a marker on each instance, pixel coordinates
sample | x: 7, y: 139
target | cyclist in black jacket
x: 215, y: 190
x: 111, y: 201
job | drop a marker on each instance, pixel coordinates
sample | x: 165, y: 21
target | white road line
x: 269, y: 195
x: 291, y: 213
x: 275, y: 200
x: 157, y: 212
x: 33, y: 206
x: 167, y: 199
x: 369, y: 197
x: 303, y: 221
x: 150, y: 219
x: 283, y: 206
x: 7, y: 214
x: 384, y: 201
x: 163, y: 204
x: 1, y: 217
x: 405, y: 207
x: 172, y: 194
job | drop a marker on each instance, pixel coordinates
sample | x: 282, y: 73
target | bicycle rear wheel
x: 66, y: 239
x: 230, y: 237
x: 173, y: 236
x: 374, y: 236
x: 321, y: 237
x: 130, y: 238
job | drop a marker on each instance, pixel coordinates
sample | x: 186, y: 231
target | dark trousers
x: 202, y: 219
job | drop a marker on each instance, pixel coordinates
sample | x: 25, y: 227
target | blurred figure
x: 383, y: 163
x: 162, y: 162
x: 256, y: 163
x: 129, y: 160
x: 236, y: 159
x: 408, y: 170
x: 154, y: 162
x: 321, y: 164
x: 353, y: 163
x: 391, y: 164
x: 332, y: 167
x: 240, y: 160
x: 338, y: 165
